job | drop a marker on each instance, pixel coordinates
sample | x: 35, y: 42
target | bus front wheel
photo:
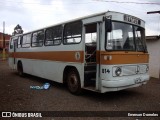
x: 73, y: 82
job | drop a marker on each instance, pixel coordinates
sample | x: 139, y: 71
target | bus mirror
x: 108, y: 25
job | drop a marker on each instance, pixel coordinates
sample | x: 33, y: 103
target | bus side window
x: 26, y: 40
x: 73, y: 32
x: 11, y: 44
x: 19, y: 43
x: 53, y: 36
x: 38, y: 38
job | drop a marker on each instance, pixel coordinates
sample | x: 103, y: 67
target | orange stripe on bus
x: 66, y: 56
x: 102, y: 57
x: 122, y: 57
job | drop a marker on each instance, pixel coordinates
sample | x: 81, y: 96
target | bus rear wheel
x: 20, y: 69
x: 73, y: 82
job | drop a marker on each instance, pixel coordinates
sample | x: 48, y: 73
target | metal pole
x: 4, y: 51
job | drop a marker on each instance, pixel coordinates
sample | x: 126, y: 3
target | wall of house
x: 7, y: 38
x: 154, y: 59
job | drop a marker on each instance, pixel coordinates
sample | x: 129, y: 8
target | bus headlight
x: 118, y: 71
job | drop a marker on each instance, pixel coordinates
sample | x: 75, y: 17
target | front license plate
x: 138, y: 80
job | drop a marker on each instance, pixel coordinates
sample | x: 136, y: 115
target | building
x: 7, y: 38
x: 153, y: 44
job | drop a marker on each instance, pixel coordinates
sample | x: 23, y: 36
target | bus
x: 101, y: 52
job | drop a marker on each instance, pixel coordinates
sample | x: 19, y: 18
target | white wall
x: 154, y: 58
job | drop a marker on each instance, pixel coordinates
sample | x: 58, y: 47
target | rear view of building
x: 153, y: 43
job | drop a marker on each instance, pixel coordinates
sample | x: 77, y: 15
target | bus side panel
x: 10, y: 62
x: 27, y: 65
x: 52, y: 70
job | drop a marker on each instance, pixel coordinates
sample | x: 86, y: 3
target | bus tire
x: 73, y: 82
x: 20, y: 69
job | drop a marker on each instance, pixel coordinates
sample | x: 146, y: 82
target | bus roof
x: 80, y: 18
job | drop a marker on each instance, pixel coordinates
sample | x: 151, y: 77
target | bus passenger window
x: 19, y: 43
x: 37, y: 38
x: 11, y: 44
x: 73, y: 33
x: 26, y: 40
x: 53, y: 36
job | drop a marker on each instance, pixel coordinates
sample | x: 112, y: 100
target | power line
x: 149, y: 3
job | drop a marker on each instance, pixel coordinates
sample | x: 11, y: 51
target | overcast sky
x: 34, y: 14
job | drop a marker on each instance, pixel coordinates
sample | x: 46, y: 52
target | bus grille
x: 132, y: 69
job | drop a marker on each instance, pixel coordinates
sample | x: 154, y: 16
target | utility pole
x: 4, y: 51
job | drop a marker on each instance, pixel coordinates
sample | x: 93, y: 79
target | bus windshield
x: 126, y: 37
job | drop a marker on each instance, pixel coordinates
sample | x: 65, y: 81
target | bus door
x: 91, y: 66
x: 12, y: 50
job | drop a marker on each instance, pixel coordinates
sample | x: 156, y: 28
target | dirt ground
x: 16, y: 95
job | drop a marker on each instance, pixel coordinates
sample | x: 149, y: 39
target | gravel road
x: 16, y: 95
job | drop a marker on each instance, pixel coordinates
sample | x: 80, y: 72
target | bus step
x: 88, y: 75
x: 90, y: 67
x: 90, y: 72
x: 89, y: 82
x: 93, y: 79
x: 91, y: 88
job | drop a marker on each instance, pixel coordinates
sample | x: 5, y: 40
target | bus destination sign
x: 132, y: 19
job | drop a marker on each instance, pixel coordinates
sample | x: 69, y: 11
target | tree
x: 17, y: 30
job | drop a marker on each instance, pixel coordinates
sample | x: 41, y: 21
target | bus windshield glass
x: 126, y: 37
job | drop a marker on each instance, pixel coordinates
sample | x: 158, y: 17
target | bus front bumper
x: 123, y: 83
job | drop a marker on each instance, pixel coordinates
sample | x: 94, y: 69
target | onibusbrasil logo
x: 44, y: 87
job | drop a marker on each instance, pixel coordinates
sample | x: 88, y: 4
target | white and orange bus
x: 101, y: 52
